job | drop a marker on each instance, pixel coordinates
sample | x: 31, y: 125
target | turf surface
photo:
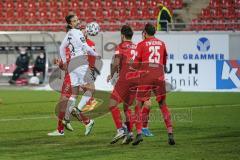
x: 206, y: 125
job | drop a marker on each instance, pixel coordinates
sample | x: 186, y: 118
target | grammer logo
x: 203, y: 44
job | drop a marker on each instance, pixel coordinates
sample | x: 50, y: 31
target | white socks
x: 85, y: 98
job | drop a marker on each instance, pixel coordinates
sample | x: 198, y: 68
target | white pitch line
x: 51, y: 117
x: 20, y: 119
x: 210, y: 106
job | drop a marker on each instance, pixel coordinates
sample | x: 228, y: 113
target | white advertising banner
x: 191, y: 75
x: 194, y: 46
x: 182, y: 75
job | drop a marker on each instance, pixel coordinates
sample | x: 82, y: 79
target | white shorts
x: 78, y: 76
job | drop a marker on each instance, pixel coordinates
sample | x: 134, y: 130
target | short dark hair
x: 127, y: 31
x: 150, y: 29
x: 68, y: 18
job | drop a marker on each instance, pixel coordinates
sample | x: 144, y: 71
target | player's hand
x: 56, y: 61
x: 109, y: 77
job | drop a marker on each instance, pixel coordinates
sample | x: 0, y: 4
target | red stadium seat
x: 96, y: 4
x: 130, y: 4
x: 133, y: 14
x: 9, y: 4
x: 152, y: 3
x: 118, y: 4
x: 75, y: 5
x: 141, y: 4
x: 205, y: 14
x: 89, y: 14
x: 63, y: 4
x: 31, y: 6
x: 217, y: 13
x: 166, y: 3
x: 122, y: 13
x: 106, y: 14
x: 237, y: 13
x: 20, y: 5
x: 215, y: 4
x: 42, y: 5
x: 145, y: 13
x: 227, y: 3
x: 177, y: 4
x: 99, y: 13
x: 237, y: 3
x: 230, y: 13
x: 42, y: 16
x: 115, y: 14
x: 207, y: 24
x: 107, y: 3
x: 220, y: 25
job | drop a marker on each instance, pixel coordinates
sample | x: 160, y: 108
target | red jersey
x: 152, y: 51
x: 91, y: 59
x: 127, y: 54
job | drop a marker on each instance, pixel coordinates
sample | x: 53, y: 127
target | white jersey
x: 76, y: 42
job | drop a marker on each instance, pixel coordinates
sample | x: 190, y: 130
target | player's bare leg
x: 167, y: 119
x: 116, y: 115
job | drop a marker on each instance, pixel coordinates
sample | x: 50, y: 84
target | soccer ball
x: 92, y: 28
x: 34, y: 80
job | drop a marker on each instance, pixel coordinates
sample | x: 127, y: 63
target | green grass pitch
x: 206, y: 125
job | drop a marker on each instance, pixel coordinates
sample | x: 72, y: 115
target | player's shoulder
x: 141, y: 43
x: 75, y: 32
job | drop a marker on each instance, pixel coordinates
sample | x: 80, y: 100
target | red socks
x: 116, y: 115
x: 84, y: 119
x: 129, y: 119
x: 145, y: 116
x: 138, y: 119
x: 167, y: 118
x: 60, y: 126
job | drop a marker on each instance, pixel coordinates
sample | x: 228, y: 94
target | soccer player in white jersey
x: 77, y: 68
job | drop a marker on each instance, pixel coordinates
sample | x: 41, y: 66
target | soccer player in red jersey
x: 124, y: 61
x: 65, y: 95
x: 152, y: 54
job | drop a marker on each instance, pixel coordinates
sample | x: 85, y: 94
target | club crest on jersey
x: 83, y: 40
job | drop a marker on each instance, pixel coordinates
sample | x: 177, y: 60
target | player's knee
x: 161, y: 102
x: 148, y: 103
x: 112, y: 104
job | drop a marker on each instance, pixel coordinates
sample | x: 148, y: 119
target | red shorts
x: 151, y: 82
x: 66, y: 87
x: 123, y: 90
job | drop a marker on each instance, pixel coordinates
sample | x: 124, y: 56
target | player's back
x: 152, y: 51
x: 127, y: 54
x: 152, y: 55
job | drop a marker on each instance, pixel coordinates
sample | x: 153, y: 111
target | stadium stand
x: 219, y: 15
x: 35, y: 13
x: 40, y: 14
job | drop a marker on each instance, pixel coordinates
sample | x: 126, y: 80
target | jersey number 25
x: 154, y: 54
